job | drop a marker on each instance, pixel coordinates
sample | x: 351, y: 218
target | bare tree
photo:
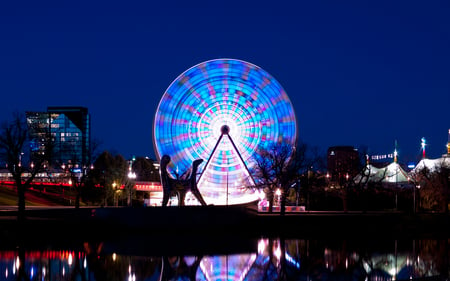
x: 79, y: 171
x: 13, y: 140
x: 145, y: 169
x: 279, y: 167
x: 434, y: 186
x: 109, y: 172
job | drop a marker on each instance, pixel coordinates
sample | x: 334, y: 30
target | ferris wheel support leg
x: 242, y: 160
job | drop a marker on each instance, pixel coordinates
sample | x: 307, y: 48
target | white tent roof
x: 370, y: 173
x: 392, y: 173
x: 395, y: 173
x: 431, y: 164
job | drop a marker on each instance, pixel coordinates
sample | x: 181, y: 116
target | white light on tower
x: 423, y: 144
x: 448, y: 143
x: 395, y: 152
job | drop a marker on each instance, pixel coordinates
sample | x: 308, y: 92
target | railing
x: 139, y: 185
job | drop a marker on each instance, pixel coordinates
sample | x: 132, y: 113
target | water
x: 256, y: 259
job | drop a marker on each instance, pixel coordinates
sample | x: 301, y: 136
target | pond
x: 257, y: 259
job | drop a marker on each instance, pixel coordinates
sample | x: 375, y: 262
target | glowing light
x: 70, y: 259
x: 196, y: 106
x: 448, y: 142
x: 277, y: 252
x: 132, y: 175
x: 230, y: 267
x: 189, y: 260
x: 148, y: 186
x: 423, y: 144
x: 262, y: 245
x: 114, y: 256
x: 292, y: 261
x: 6, y: 273
x: 393, y: 272
x: 17, y: 263
x: 367, y: 267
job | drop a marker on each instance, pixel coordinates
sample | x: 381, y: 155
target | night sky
x: 361, y: 73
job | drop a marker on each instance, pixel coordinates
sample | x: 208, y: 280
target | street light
x: 278, y: 194
x: 132, y: 177
x: 416, y: 188
x: 20, y: 159
x: 114, y: 185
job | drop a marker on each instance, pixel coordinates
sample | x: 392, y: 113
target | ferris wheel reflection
x: 272, y: 259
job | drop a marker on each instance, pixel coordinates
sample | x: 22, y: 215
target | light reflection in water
x: 272, y: 259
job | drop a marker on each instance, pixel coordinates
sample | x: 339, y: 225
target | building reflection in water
x: 273, y: 259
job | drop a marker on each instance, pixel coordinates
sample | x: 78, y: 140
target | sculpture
x: 176, y: 268
x: 179, y: 186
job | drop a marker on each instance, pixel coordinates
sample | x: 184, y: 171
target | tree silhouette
x: 109, y: 173
x: 13, y: 140
x: 279, y: 167
x: 78, y: 171
x: 434, y: 185
x: 145, y: 169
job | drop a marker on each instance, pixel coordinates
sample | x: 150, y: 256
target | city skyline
x: 359, y: 74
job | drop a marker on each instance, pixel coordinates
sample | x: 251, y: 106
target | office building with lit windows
x: 69, y: 132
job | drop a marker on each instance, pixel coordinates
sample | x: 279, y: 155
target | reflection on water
x: 272, y: 259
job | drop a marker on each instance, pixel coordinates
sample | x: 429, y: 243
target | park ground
x: 48, y: 214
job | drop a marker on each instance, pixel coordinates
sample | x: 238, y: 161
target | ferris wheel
x: 222, y: 111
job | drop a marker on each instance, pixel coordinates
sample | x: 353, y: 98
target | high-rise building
x: 343, y: 162
x: 66, y: 130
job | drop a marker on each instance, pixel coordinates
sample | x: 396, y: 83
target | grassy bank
x: 8, y: 197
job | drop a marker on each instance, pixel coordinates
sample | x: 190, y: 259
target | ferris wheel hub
x: 225, y: 130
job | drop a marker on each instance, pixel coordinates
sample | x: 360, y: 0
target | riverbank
x: 218, y: 221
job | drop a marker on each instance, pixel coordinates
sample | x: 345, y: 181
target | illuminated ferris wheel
x: 222, y: 111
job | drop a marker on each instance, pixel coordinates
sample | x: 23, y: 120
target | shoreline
x: 209, y: 219
x: 206, y: 230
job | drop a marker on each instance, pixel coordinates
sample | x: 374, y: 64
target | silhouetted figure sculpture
x: 95, y: 260
x: 179, y: 186
x: 176, y: 268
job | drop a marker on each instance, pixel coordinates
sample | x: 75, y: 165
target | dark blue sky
x: 357, y: 72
